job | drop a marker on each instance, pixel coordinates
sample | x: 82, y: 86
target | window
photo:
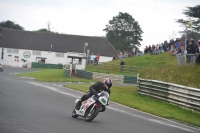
x: 9, y: 50
x: 59, y: 54
x: 14, y: 51
x: 36, y: 52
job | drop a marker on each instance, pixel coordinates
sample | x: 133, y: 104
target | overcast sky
x: 89, y: 17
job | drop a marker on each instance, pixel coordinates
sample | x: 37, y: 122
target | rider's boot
x: 78, y: 105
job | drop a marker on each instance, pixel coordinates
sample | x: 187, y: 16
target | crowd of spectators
x: 176, y: 47
x: 92, y: 59
x: 173, y: 46
x: 134, y: 52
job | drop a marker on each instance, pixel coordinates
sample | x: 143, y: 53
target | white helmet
x: 108, y: 82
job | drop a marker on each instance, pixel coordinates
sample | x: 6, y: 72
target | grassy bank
x: 128, y: 96
x: 163, y: 67
x: 52, y: 75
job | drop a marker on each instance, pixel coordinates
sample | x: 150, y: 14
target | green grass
x: 187, y: 75
x: 149, y: 60
x: 163, y: 67
x: 52, y: 75
x: 128, y: 96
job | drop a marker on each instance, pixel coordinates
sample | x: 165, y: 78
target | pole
x: 185, y: 56
x: 185, y: 39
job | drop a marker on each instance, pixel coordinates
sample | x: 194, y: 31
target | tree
x: 122, y: 31
x: 43, y: 30
x: 10, y: 25
x: 192, y: 13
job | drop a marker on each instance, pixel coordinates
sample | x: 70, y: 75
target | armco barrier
x: 84, y: 74
x: 130, y: 79
x: 186, y: 97
x: 67, y: 73
x: 52, y: 66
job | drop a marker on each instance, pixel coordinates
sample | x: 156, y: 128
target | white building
x: 20, y: 47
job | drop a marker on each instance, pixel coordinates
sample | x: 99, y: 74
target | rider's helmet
x: 108, y: 82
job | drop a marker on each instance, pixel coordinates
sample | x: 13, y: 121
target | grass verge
x: 52, y: 75
x: 128, y: 96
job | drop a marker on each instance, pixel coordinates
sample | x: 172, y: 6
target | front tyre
x: 74, y: 115
x: 91, y: 115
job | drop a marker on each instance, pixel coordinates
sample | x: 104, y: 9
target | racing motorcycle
x: 1, y: 68
x: 90, y: 108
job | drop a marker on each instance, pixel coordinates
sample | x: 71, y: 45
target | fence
x: 130, y: 79
x: 186, y: 58
x: 67, y: 73
x: 40, y: 65
x: 84, y: 74
x: 101, y: 76
x: 117, y: 68
x: 176, y: 94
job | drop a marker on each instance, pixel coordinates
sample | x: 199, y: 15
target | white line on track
x: 122, y: 111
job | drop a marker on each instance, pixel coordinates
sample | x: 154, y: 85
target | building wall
x: 10, y: 60
x: 103, y: 58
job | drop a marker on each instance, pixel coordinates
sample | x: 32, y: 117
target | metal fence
x: 52, y: 66
x: 67, y: 73
x: 117, y: 68
x: 187, y: 58
x: 100, y: 76
x: 84, y: 74
x: 186, y: 97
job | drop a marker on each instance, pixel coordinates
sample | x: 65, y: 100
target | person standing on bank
x: 191, y: 50
x: 122, y: 63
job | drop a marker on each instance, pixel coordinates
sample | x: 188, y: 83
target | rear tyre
x: 74, y: 115
x: 93, y: 114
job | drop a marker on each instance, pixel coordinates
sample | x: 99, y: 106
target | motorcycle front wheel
x: 74, y: 115
x: 91, y: 115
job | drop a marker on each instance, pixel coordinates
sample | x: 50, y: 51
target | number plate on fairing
x: 103, y: 100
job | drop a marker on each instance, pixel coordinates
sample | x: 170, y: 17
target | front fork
x: 95, y: 104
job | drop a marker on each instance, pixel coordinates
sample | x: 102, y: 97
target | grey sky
x: 156, y: 17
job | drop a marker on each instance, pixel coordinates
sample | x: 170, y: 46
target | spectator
x: 191, y: 52
x: 98, y: 58
x: 198, y: 51
x: 178, y: 45
x: 89, y: 59
x: 122, y: 63
x: 95, y: 60
x: 133, y: 52
x: 170, y: 44
x: 187, y: 42
x: 149, y: 49
x: 146, y: 50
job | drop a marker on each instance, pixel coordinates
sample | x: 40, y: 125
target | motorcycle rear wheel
x: 93, y: 114
x: 74, y: 115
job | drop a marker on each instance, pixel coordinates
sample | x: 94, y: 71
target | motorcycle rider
x: 95, y: 89
x: 1, y: 67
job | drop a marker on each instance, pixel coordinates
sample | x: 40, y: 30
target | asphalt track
x: 27, y: 106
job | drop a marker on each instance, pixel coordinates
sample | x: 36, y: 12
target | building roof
x: 60, y: 42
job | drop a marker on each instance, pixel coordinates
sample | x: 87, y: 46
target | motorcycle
x: 90, y: 108
x: 1, y: 68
